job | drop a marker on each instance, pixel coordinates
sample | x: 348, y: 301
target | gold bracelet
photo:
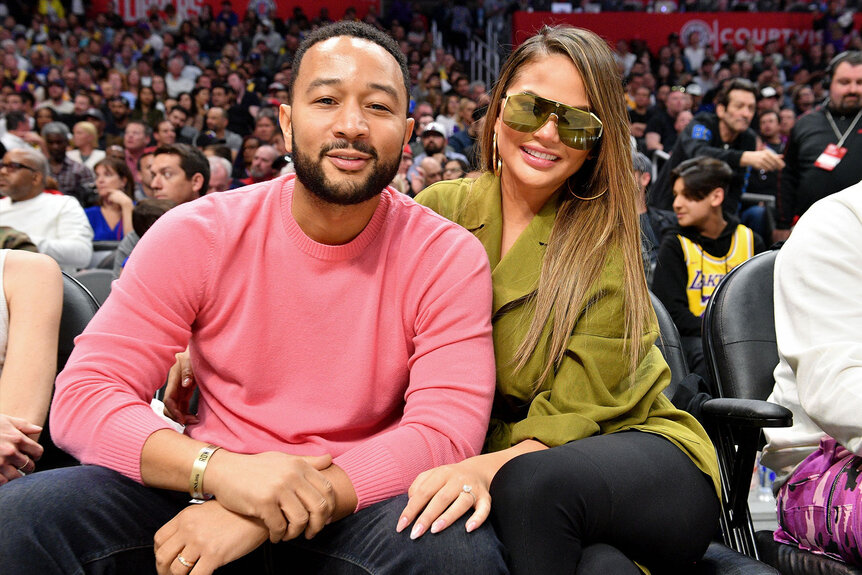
x: 196, y: 481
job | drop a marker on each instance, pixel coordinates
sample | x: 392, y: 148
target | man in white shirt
x: 56, y: 224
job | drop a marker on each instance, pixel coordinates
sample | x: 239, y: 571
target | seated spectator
x: 266, y: 126
x: 73, y: 178
x: 655, y: 223
x: 660, y: 132
x: 261, y: 166
x: 18, y: 135
x: 429, y: 171
x: 220, y: 170
x: 85, y: 138
x: 29, y: 329
x: 112, y: 218
x: 136, y: 139
x: 434, y: 141
x: 165, y: 133
x: 57, y: 224
x: 180, y: 117
x: 709, y: 244
x: 43, y: 117
x: 147, y: 212
x: 419, y: 321
x: 817, y: 326
x: 216, y: 123
x: 454, y: 169
x: 180, y: 173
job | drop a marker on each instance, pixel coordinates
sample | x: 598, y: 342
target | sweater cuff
x: 124, y: 453
x: 373, y: 473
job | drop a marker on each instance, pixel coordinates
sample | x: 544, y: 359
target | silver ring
x: 469, y: 491
x: 185, y: 562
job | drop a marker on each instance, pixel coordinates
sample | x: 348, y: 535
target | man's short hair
x: 220, y: 161
x: 355, y: 30
x: 148, y: 130
x: 15, y: 119
x: 55, y: 129
x: 723, y: 98
x: 147, y: 212
x: 182, y: 109
x: 641, y: 163
x: 701, y: 175
x: 192, y: 161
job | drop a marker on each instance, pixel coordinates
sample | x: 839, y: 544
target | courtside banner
x: 715, y: 28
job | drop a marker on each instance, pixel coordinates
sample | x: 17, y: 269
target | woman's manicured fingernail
x: 471, y: 526
x: 402, y: 523
x: 438, y: 526
x: 417, y: 532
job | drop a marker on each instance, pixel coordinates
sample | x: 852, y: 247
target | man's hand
x: 206, y: 536
x: 18, y: 453
x: 287, y: 492
x: 763, y: 160
x: 180, y: 389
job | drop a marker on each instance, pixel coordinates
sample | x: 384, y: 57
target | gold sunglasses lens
x: 578, y: 129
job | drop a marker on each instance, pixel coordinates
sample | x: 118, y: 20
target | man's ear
x: 408, y: 131
x: 284, y: 120
x: 198, y: 183
x: 716, y: 197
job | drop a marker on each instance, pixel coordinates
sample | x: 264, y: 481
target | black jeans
x: 599, y: 503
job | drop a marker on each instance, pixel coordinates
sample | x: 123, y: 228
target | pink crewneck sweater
x: 377, y: 351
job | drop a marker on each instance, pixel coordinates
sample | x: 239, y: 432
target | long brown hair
x: 584, y: 232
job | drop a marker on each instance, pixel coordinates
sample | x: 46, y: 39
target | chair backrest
x: 670, y: 345
x: 739, y: 330
x: 97, y: 282
x: 79, y: 307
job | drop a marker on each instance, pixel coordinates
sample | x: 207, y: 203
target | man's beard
x: 310, y: 173
x: 847, y: 106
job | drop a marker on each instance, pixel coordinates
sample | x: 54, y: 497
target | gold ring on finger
x: 185, y: 561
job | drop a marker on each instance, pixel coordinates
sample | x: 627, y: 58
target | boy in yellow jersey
x: 708, y: 244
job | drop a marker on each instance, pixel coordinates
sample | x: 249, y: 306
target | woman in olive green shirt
x: 587, y: 466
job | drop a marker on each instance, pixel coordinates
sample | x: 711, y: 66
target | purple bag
x: 819, y: 507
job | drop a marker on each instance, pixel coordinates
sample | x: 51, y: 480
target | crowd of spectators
x: 85, y: 89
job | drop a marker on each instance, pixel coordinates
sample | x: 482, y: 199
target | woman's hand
x: 207, y: 536
x: 179, y: 391
x: 119, y: 199
x: 445, y: 494
x: 18, y: 453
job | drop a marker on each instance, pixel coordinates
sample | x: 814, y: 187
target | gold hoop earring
x: 569, y: 184
x: 496, y: 160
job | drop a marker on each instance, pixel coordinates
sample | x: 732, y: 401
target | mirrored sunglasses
x: 578, y: 128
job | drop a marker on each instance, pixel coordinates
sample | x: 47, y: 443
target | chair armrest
x: 747, y: 412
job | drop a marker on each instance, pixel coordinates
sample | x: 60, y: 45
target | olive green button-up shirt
x: 591, y: 392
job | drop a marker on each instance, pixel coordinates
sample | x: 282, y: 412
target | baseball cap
x: 768, y: 92
x: 435, y: 127
x: 94, y: 113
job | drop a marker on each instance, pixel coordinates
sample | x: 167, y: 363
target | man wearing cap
x: 768, y: 101
x: 434, y: 141
x: 825, y: 145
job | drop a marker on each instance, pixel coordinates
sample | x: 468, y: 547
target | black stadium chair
x: 79, y: 307
x: 97, y: 282
x: 719, y: 559
x: 739, y: 346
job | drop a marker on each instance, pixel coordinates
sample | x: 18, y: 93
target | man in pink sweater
x: 340, y: 336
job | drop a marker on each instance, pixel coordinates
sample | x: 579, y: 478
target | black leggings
x: 596, y: 504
